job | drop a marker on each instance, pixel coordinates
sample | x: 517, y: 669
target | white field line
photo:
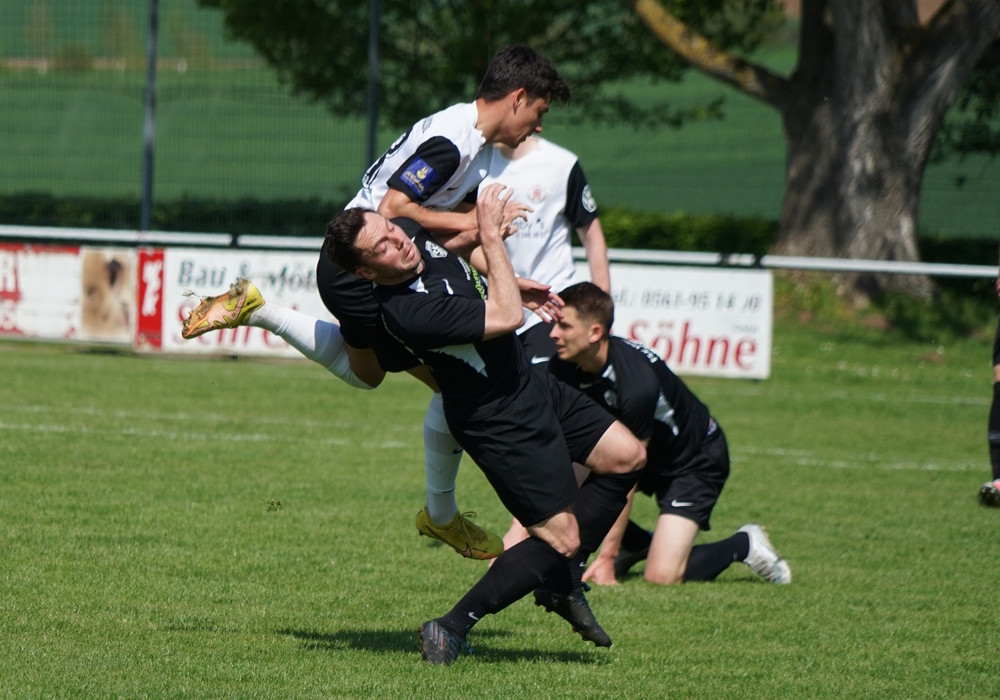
x: 275, y: 428
x: 343, y: 433
x: 867, y: 461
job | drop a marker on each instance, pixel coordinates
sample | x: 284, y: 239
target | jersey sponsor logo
x: 434, y: 250
x: 587, y: 200
x: 539, y: 359
x: 418, y: 175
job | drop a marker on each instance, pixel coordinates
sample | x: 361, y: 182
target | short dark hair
x: 592, y: 304
x: 341, y: 234
x: 520, y: 66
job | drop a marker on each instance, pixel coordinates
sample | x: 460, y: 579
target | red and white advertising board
x: 67, y: 292
x: 171, y: 279
x: 702, y: 321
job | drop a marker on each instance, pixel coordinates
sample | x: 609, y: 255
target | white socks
x: 320, y: 341
x: 442, y: 455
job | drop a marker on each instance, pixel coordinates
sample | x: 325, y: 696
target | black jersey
x: 639, y: 389
x: 440, y: 316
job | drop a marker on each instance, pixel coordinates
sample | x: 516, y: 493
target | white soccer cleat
x: 763, y: 558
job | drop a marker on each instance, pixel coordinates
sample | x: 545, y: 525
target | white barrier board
x: 702, y: 321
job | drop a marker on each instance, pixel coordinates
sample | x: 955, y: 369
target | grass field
x: 145, y: 553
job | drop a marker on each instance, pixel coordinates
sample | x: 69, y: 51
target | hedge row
x: 623, y: 228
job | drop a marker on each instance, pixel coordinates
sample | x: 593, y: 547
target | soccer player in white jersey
x: 550, y: 180
x: 426, y: 175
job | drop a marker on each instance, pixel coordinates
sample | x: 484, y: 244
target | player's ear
x: 365, y: 273
x: 596, y: 333
x: 518, y: 98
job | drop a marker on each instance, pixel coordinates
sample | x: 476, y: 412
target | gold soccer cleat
x: 460, y: 534
x: 227, y: 310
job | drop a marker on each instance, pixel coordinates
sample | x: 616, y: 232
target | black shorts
x: 349, y: 298
x: 538, y: 346
x: 996, y: 346
x: 526, y: 446
x: 693, y: 491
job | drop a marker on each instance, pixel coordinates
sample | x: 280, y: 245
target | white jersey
x: 550, y: 180
x: 436, y: 163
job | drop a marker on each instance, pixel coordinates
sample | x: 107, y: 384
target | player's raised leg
x: 318, y: 340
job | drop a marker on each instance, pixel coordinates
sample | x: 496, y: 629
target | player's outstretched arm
x: 396, y: 203
x: 503, y: 303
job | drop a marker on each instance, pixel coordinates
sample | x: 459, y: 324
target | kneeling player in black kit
x: 522, y: 428
x: 687, y: 456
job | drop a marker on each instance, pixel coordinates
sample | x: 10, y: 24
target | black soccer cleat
x: 989, y: 494
x: 626, y: 559
x: 576, y: 611
x: 438, y: 644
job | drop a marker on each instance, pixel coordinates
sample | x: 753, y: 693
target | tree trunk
x: 854, y: 171
x: 860, y: 115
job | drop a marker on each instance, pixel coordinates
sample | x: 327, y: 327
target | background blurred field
x: 145, y: 554
x: 226, y: 129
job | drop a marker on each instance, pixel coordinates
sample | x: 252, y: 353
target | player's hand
x: 512, y: 212
x: 540, y: 299
x: 601, y: 572
x: 491, y: 205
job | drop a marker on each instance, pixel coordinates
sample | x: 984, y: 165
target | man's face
x: 387, y: 253
x: 573, y: 336
x: 524, y: 119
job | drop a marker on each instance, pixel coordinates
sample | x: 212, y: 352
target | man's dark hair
x: 341, y: 233
x: 519, y: 66
x: 592, y: 304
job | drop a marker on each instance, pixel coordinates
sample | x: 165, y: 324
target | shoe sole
x: 212, y: 315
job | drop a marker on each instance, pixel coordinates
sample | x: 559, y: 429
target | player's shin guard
x: 514, y: 574
x: 599, y: 503
x: 320, y: 341
x: 442, y: 456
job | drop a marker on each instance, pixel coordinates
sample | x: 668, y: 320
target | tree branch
x: 747, y: 77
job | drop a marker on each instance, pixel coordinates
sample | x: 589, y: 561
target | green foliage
x: 624, y: 228
x: 433, y: 54
x: 142, y: 559
x: 972, y: 125
x: 952, y: 315
x: 305, y: 217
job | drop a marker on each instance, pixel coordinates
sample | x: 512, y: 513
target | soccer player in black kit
x: 687, y: 455
x: 522, y: 428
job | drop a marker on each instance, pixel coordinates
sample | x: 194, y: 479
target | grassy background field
x: 145, y: 554
x: 226, y: 129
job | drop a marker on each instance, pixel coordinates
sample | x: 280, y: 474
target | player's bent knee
x: 663, y: 578
x: 631, y: 458
x: 559, y: 532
